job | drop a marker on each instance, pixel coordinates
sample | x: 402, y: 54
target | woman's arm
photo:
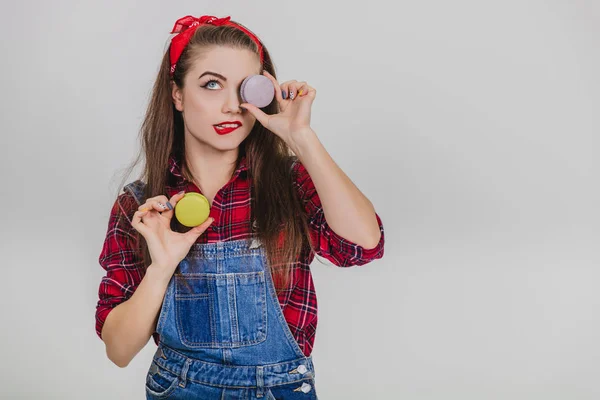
x: 347, y: 211
x: 129, y: 326
x: 129, y: 298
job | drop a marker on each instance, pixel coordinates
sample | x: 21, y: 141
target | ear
x: 177, y: 96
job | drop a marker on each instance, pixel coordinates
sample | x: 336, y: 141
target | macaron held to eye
x: 257, y: 90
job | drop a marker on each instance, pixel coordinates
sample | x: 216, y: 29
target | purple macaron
x: 257, y: 90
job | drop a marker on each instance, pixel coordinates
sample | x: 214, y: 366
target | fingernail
x: 284, y: 94
x: 182, y: 192
x: 300, y: 93
x: 169, y: 205
x: 292, y: 95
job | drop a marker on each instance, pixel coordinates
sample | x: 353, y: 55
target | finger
x: 171, y: 204
x: 137, y: 223
x: 193, y: 234
x: 162, y: 202
x: 258, y: 113
x: 285, y: 89
x: 147, y: 205
x: 160, y: 197
x: 278, y: 94
x: 176, y: 197
x: 293, y: 90
x: 311, y: 93
x: 302, y: 89
x: 154, y: 205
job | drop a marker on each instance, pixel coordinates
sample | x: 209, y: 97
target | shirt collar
x: 179, y: 180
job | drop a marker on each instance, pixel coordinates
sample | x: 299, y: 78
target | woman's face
x: 211, y: 96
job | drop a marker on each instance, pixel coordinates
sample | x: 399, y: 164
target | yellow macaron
x: 192, y: 210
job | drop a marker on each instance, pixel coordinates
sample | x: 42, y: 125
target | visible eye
x: 206, y: 86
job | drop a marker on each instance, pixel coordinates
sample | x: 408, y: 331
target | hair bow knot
x: 185, y: 28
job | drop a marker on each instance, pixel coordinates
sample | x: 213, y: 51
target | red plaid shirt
x: 124, y: 269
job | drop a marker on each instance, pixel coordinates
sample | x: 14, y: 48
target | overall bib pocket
x: 221, y: 310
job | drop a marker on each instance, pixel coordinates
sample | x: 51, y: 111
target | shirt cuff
x: 345, y: 252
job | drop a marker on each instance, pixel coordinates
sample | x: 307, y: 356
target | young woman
x: 230, y: 303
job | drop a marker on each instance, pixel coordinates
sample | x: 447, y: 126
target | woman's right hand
x: 153, y: 221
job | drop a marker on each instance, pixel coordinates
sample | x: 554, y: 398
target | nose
x: 233, y: 101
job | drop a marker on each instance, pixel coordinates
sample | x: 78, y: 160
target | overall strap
x: 137, y: 189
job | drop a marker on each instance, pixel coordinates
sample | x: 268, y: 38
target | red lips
x: 225, y: 130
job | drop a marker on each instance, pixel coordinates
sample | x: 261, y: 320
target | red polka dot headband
x: 186, y: 26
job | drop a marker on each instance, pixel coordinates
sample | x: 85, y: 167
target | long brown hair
x: 281, y: 222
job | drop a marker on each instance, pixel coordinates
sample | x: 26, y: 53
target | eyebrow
x: 213, y: 73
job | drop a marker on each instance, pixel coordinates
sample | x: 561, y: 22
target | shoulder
x: 127, y: 202
x: 136, y: 190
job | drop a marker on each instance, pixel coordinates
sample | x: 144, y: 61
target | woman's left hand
x: 294, y: 115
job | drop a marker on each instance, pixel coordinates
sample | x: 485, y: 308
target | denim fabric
x: 222, y: 332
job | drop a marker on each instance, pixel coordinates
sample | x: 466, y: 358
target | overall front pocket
x: 160, y: 382
x: 221, y: 310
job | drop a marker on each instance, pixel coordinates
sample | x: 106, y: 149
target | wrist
x: 302, y: 141
x: 159, y: 273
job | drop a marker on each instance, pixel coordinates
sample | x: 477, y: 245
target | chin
x: 227, y: 142
x: 220, y: 142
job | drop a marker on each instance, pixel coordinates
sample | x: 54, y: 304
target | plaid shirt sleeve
x: 340, y: 251
x: 124, y: 268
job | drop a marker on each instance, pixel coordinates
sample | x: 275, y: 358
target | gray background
x: 471, y: 125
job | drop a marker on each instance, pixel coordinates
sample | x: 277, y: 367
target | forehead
x: 234, y: 64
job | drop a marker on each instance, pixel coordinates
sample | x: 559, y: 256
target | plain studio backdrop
x: 472, y: 126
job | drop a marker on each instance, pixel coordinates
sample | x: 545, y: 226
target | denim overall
x: 222, y: 332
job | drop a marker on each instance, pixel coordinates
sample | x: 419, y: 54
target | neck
x: 209, y: 168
